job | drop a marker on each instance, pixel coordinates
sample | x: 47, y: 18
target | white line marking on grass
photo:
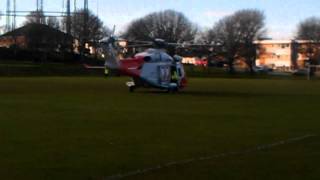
x: 192, y: 160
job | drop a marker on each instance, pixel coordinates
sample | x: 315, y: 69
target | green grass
x: 48, y: 69
x: 91, y: 128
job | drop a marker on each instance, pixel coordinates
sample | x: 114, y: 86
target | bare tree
x: 35, y: 17
x: 235, y: 35
x: 309, y: 30
x: 38, y: 17
x: 53, y: 22
x: 169, y: 25
x: 91, y: 32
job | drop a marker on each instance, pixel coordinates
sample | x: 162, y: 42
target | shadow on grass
x: 226, y: 94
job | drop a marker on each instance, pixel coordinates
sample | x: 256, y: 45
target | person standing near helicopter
x: 174, y: 73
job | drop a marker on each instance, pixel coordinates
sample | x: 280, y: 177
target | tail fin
x: 112, y: 61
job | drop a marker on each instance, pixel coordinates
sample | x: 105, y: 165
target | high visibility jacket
x: 106, y: 71
x: 174, y: 76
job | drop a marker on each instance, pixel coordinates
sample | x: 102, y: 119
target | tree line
x: 232, y: 36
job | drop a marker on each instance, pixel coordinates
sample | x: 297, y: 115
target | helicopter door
x: 165, y: 74
x: 180, y: 72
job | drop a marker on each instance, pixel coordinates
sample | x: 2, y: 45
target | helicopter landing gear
x: 173, y: 88
x: 106, y: 72
x: 132, y: 88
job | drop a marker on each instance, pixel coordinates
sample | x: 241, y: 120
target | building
x: 276, y: 54
x: 37, y: 37
x: 285, y: 54
x: 196, y: 61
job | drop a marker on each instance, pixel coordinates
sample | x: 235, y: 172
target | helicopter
x: 152, y: 68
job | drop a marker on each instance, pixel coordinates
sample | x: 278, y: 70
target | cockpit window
x: 147, y: 59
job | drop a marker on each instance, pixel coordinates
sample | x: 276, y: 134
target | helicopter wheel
x: 131, y: 89
x: 175, y: 90
x: 172, y: 90
x: 106, y: 72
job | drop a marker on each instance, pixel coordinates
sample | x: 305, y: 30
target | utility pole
x: 41, y: 5
x: 37, y: 5
x: 75, y: 6
x: 68, y: 17
x: 8, y: 16
x: 37, y: 15
x: 85, y: 24
x: 40, y: 18
x: 86, y: 5
x: 98, y: 8
x: 14, y: 23
x: 86, y: 15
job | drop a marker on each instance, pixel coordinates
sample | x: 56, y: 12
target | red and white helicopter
x: 153, y: 68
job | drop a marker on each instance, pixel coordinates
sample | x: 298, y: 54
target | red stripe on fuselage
x: 131, y: 66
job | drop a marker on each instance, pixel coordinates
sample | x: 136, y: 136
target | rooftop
x: 282, y: 41
x: 35, y: 29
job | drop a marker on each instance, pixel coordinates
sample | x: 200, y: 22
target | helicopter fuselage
x: 154, y: 68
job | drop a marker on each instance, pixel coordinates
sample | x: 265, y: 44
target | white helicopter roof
x: 156, y: 55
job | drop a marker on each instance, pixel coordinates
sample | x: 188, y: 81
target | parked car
x: 300, y: 72
x: 262, y: 69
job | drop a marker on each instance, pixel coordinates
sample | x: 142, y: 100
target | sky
x: 282, y: 16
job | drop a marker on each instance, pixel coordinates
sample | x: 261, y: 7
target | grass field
x: 92, y: 128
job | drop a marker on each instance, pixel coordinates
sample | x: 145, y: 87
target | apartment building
x: 285, y: 54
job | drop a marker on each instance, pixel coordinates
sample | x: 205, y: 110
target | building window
x: 284, y: 46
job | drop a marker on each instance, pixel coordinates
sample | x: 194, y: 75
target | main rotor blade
x: 142, y: 42
x: 139, y: 45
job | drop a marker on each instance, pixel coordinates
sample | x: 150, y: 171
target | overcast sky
x: 282, y: 15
